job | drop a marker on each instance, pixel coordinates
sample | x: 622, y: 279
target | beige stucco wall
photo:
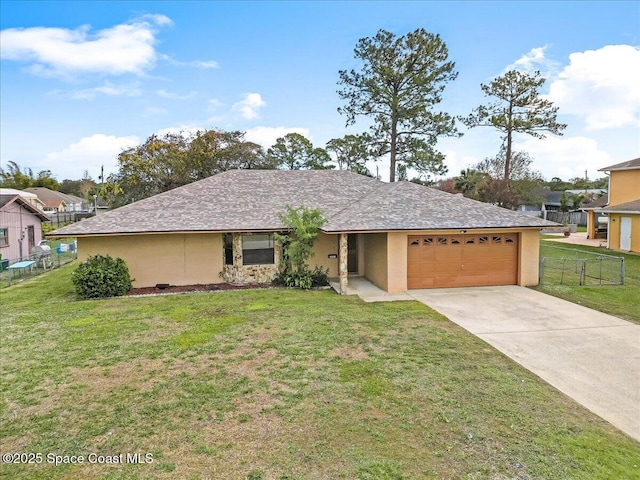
x: 529, y: 248
x: 623, y: 186
x: 375, y: 258
x: 324, y: 246
x: 176, y: 259
x: 529, y: 258
x: 614, y: 231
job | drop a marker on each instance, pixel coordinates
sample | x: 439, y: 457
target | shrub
x: 303, y: 278
x: 304, y: 225
x: 101, y: 277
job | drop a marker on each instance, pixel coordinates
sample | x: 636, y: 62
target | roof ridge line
x: 339, y: 212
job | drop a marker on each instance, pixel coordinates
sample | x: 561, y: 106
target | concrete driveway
x: 592, y: 357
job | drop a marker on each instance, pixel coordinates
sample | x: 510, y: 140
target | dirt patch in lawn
x: 212, y: 287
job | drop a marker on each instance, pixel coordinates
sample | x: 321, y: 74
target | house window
x: 482, y: 240
x: 442, y: 240
x: 427, y: 241
x: 257, y: 249
x: 228, y: 249
x: 4, y: 237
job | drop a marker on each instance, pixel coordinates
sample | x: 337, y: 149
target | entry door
x: 352, y: 253
x: 625, y: 233
x: 31, y: 236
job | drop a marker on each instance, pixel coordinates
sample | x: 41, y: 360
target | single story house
x: 57, y: 202
x: 20, y: 227
x: 398, y: 235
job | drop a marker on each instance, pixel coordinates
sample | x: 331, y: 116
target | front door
x: 31, y: 236
x: 625, y: 233
x: 352, y: 253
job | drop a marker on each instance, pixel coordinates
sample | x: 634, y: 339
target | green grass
x: 8, y: 277
x: 279, y: 384
x: 621, y: 301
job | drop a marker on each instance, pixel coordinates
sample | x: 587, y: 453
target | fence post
x: 541, y: 273
x: 622, y: 272
x: 583, y: 272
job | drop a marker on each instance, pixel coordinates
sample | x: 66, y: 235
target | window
x: 4, y: 237
x: 508, y: 239
x: 414, y: 242
x: 427, y: 241
x: 442, y: 240
x: 257, y: 249
x: 497, y: 239
x: 470, y: 241
x: 228, y: 249
x: 482, y: 240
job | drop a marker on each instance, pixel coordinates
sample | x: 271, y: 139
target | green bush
x: 102, y: 277
x: 303, y: 278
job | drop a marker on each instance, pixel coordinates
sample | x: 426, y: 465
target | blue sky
x: 80, y: 81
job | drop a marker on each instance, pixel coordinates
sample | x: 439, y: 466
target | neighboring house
x: 20, y: 227
x: 398, y: 235
x: 32, y: 198
x: 58, y: 201
x: 624, y: 206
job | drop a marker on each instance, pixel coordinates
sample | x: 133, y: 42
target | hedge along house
x: 398, y: 235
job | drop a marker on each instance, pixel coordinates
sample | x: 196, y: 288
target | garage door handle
x: 462, y: 267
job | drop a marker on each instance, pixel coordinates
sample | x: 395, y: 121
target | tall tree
x: 165, y: 162
x: 397, y: 89
x: 13, y: 176
x: 518, y: 109
x: 296, y: 152
x: 351, y: 153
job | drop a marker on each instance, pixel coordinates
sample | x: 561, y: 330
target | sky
x: 82, y: 81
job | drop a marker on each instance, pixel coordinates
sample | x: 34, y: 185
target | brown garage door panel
x: 462, y: 260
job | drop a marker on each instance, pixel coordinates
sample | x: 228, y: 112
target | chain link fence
x: 566, y: 266
x: 16, y: 270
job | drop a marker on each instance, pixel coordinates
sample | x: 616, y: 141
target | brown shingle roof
x: 251, y: 200
x: 597, y: 203
x: 628, y: 165
x: 630, y: 207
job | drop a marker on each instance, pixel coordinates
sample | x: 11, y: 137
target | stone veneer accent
x: 243, y: 274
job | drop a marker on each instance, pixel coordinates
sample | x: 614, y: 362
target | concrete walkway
x: 590, y: 356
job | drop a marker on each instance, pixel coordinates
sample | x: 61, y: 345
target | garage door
x: 436, y: 261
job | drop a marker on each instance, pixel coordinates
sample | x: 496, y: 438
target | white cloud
x: 89, y: 153
x: 602, y: 86
x: 195, y: 63
x: 214, y: 104
x: 456, y: 162
x: 267, y: 136
x: 184, y: 130
x: 108, y: 89
x: 565, y: 157
x: 127, y: 48
x: 534, y: 60
x: 249, y: 107
x: 176, y: 96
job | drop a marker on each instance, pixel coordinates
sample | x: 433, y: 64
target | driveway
x: 592, y: 357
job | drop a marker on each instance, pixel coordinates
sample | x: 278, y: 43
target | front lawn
x: 278, y: 384
x: 621, y: 301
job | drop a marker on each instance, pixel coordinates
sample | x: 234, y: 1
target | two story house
x: 624, y: 206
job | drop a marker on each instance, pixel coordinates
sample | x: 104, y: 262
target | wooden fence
x: 62, y: 218
x: 579, y: 218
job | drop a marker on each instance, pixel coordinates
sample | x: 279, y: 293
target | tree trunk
x: 392, y: 153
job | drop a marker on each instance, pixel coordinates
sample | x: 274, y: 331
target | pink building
x: 20, y: 227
